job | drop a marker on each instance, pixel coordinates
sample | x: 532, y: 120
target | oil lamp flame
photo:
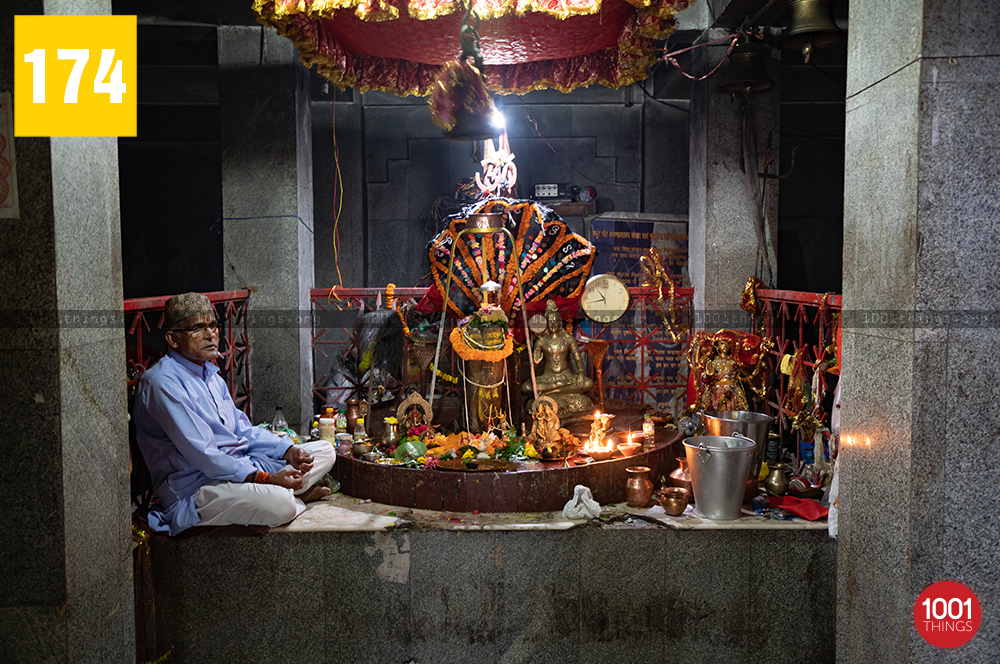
x: 593, y: 444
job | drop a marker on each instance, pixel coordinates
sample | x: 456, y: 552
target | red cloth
x: 807, y: 508
x: 692, y: 389
x: 399, y: 45
x: 431, y: 301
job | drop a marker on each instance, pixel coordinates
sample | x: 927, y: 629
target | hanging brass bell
x: 747, y: 68
x: 810, y: 27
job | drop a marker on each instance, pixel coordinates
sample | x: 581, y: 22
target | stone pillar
x: 65, y: 548
x: 268, y: 210
x: 722, y: 241
x: 921, y: 234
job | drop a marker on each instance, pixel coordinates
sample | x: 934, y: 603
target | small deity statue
x: 546, y: 433
x: 545, y: 430
x: 413, y: 419
x: 413, y: 412
x: 563, y: 378
x: 722, y: 380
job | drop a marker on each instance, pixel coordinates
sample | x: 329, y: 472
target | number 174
x: 113, y: 86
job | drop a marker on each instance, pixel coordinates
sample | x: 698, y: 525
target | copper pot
x: 353, y: 412
x: 673, y: 500
x: 681, y: 477
x: 638, y: 488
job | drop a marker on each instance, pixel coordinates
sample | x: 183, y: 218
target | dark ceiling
x: 774, y: 13
x: 202, y: 12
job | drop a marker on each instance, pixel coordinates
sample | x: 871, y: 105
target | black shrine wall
x: 394, y: 163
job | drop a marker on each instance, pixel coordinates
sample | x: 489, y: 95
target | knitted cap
x: 180, y: 307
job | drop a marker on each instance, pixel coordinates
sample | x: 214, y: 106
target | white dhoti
x: 249, y: 504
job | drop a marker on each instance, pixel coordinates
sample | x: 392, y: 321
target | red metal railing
x: 642, y: 363
x: 144, y: 314
x: 796, y: 321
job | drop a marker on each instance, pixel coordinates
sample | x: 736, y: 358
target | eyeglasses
x: 201, y: 329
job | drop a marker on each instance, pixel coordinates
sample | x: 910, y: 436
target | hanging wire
x: 669, y: 57
x: 339, y: 197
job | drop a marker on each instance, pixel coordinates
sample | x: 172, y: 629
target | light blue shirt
x: 191, y: 433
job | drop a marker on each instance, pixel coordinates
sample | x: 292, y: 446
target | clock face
x: 537, y: 323
x: 605, y: 298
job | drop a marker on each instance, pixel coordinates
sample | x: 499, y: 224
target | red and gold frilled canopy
x: 399, y: 45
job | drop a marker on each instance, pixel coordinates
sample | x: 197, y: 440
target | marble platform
x: 340, y: 513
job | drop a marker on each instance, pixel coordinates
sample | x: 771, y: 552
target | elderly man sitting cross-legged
x: 209, y: 465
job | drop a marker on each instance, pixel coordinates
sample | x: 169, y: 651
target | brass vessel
x: 638, y: 488
x: 776, y: 482
x: 673, y: 500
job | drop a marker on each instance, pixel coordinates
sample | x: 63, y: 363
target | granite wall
x: 267, y: 202
x: 723, y: 248
x: 65, y: 554
x: 921, y: 235
x: 630, y: 594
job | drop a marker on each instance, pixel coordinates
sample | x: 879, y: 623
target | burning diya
x: 599, y: 445
x: 599, y: 452
x: 628, y: 447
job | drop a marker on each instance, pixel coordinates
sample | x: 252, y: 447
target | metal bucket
x: 719, y: 467
x: 751, y: 425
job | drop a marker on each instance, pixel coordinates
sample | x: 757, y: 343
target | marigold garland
x: 442, y: 375
x: 467, y: 353
x: 390, y: 302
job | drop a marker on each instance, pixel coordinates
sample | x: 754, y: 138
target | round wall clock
x: 605, y: 298
x: 537, y: 324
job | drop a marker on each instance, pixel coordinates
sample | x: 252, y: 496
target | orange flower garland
x: 390, y: 302
x: 467, y: 353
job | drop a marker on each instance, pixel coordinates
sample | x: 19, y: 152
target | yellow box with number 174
x: 74, y: 75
